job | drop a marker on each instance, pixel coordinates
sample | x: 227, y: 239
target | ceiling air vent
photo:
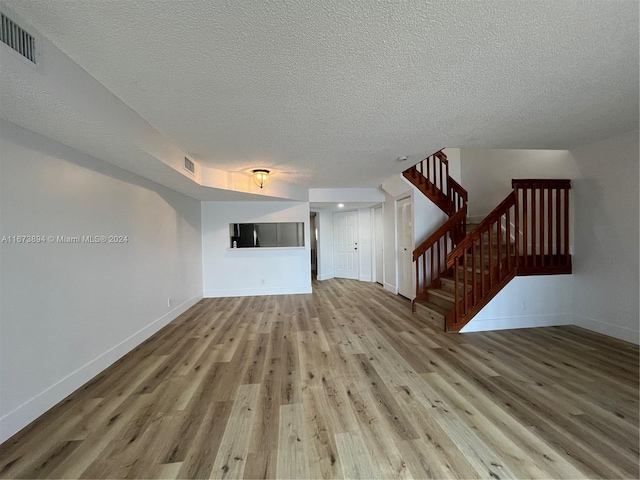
x: 189, y: 165
x: 17, y: 38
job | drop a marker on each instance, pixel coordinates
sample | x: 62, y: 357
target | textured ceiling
x: 320, y: 90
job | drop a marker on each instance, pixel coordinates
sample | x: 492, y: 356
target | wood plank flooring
x: 343, y: 383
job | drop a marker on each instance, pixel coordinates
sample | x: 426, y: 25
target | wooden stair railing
x: 483, y: 263
x: 431, y: 177
x: 543, y: 207
x: 527, y: 234
x: 430, y: 256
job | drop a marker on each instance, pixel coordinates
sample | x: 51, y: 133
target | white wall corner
x: 391, y: 288
x: 616, y: 331
x: 17, y: 419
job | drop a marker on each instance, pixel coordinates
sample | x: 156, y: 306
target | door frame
x: 357, y: 242
x: 411, y: 243
x: 374, y: 242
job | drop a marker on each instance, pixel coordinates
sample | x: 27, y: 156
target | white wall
x: 453, y: 157
x: 390, y: 281
x: 245, y: 272
x: 605, y: 262
x: 535, y: 301
x: 325, y: 245
x: 486, y: 174
x: 365, y: 234
x: 70, y: 310
x: 427, y: 217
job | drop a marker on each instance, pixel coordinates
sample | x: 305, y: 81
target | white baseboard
x: 254, y: 292
x: 19, y: 418
x: 325, y: 277
x: 391, y: 288
x: 365, y: 278
x: 508, y: 323
x: 616, y: 331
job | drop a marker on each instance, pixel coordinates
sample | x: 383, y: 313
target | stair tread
x: 448, y: 284
x: 441, y: 293
x: 476, y: 263
x: 432, y: 306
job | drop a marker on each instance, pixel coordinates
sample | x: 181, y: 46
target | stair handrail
x: 530, y: 228
x: 459, y: 217
x: 429, y: 267
x: 431, y: 176
x: 487, y: 277
x: 481, y: 228
x: 457, y: 194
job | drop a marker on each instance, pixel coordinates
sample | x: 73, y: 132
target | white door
x: 405, y: 248
x: 345, y: 245
x: 378, y: 239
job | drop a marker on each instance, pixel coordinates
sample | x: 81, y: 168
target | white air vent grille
x: 17, y: 38
x: 189, y: 165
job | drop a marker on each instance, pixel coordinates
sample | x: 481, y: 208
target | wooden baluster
x: 558, y: 230
x: 456, y: 286
x: 481, y: 274
x: 446, y: 165
x: 500, y: 266
x: 490, y: 258
x: 417, y: 278
x: 464, y: 227
x: 433, y: 267
x: 464, y: 281
x: 424, y: 270
x: 507, y: 239
x: 516, y: 228
x: 525, y: 224
x: 433, y: 169
x: 439, y: 255
x: 474, y: 288
x: 566, y: 226
x: 441, y: 178
x: 549, y: 226
x: 542, y: 224
x: 534, y: 222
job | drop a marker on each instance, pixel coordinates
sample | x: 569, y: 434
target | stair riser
x: 430, y: 316
x: 441, y: 302
x: 449, y: 287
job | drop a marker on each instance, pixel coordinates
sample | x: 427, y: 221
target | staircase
x: 462, y: 266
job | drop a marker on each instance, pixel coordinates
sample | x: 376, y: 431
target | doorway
x: 405, y: 247
x: 378, y: 240
x: 345, y: 245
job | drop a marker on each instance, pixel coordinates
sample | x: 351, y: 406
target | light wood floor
x: 343, y: 383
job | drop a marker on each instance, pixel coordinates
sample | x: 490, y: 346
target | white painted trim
x: 17, y: 419
x: 253, y: 292
x: 391, y: 288
x: 509, y: 323
x: 325, y: 277
x: 622, y: 333
x: 365, y: 278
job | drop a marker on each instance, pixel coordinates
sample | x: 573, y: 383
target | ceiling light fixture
x: 341, y: 205
x: 261, y: 177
